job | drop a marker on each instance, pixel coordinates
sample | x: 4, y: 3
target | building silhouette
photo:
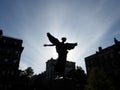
x: 10, y: 53
x: 50, y: 74
x: 107, y: 59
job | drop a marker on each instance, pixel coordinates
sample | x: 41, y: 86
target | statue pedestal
x: 62, y: 84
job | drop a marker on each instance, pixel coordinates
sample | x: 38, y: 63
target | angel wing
x: 52, y: 39
x: 71, y: 45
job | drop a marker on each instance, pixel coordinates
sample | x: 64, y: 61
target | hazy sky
x: 91, y: 23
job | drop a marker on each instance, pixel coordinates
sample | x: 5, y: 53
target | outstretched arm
x: 76, y: 44
x: 48, y: 45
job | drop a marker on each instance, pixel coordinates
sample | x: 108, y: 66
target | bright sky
x: 90, y: 23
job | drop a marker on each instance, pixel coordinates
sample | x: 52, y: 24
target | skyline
x: 90, y: 23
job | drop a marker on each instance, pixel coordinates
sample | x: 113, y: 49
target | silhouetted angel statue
x: 62, y: 50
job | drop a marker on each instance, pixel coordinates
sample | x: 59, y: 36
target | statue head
x: 63, y: 39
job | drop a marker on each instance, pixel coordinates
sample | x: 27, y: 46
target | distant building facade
x: 50, y: 74
x: 107, y: 59
x: 10, y: 53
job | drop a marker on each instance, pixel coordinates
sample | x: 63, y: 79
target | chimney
x: 100, y: 49
x: 1, y: 33
x: 116, y: 41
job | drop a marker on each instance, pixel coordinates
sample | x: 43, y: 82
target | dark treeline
x: 24, y: 79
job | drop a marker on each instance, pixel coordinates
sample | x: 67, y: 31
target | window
x: 14, y: 61
x: 4, y: 41
x: 106, y: 57
x: 15, y: 43
x: 16, y: 52
x: 111, y: 55
x: 8, y: 51
x: 6, y: 60
x: 118, y: 52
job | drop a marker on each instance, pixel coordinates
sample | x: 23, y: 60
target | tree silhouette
x: 29, y: 71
